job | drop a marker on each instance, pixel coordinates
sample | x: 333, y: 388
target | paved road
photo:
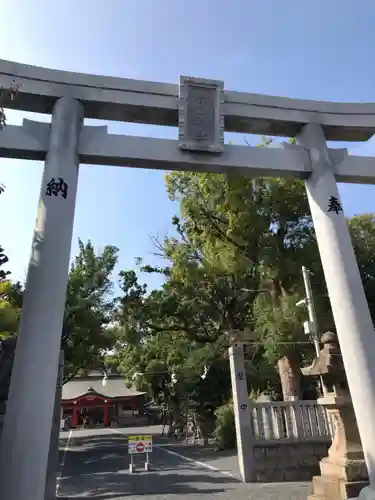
x: 94, y: 464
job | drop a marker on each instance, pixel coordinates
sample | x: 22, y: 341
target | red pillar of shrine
x: 106, y: 414
x: 75, y: 416
x: 134, y: 404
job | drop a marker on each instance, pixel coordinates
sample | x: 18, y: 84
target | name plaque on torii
x: 200, y: 115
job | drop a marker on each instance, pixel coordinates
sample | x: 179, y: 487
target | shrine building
x: 101, y: 400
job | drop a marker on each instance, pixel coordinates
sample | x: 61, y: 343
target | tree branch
x: 70, y: 377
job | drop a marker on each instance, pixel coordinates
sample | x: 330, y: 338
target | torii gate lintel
x: 155, y: 103
x: 30, y: 141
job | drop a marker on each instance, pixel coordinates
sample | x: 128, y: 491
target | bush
x: 225, y: 430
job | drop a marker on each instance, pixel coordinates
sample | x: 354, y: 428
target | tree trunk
x: 170, y: 423
x: 174, y: 414
x: 205, y: 427
x: 290, y: 376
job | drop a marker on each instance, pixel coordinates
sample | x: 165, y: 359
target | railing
x: 290, y: 421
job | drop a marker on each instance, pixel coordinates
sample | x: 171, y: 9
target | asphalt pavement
x: 94, y: 464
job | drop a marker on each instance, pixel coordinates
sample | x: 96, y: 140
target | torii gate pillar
x: 26, y: 433
x: 348, y: 301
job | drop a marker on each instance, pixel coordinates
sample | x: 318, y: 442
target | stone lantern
x: 343, y: 472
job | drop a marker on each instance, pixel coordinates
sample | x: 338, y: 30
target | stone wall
x: 298, y: 461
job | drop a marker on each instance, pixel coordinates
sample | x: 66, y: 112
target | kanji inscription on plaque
x: 201, y: 121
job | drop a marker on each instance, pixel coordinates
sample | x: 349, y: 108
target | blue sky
x: 317, y: 49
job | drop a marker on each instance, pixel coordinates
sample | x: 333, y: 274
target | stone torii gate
x: 202, y: 110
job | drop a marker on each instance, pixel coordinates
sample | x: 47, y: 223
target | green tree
x: 89, y: 309
x: 234, y: 269
x: 163, y: 355
x: 266, y: 228
x: 210, y: 287
x: 9, y: 310
x: 362, y: 231
x: 3, y: 260
x: 7, y: 95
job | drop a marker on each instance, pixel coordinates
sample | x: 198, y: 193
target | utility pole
x: 309, y: 301
x: 311, y: 326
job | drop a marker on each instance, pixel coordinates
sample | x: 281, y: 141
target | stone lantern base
x: 333, y: 488
x: 343, y: 472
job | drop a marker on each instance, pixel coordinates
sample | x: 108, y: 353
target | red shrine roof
x: 92, y: 384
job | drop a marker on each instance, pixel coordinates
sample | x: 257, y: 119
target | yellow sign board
x: 136, y: 439
x: 139, y: 444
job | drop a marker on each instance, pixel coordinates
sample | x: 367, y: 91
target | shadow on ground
x: 96, y: 467
x: 96, y: 442
x: 108, y: 485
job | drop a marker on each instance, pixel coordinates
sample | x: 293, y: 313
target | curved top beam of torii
x: 138, y: 101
